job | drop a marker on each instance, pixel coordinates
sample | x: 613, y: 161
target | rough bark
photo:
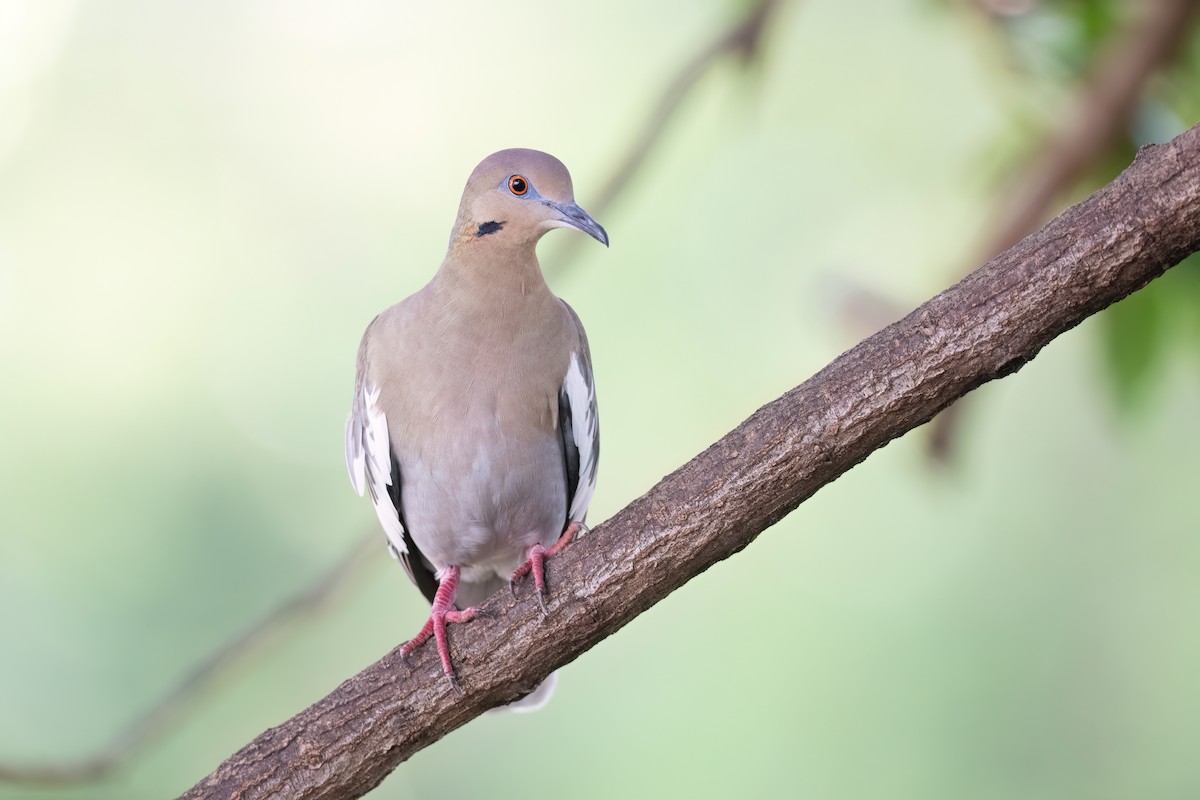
x: 985, y: 327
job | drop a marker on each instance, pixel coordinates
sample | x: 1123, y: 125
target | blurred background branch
x: 161, y: 718
x: 742, y: 39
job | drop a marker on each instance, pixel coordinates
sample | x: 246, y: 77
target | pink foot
x: 535, y: 562
x: 443, y: 613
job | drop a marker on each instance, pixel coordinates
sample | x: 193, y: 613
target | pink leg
x: 443, y: 613
x: 535, y: 562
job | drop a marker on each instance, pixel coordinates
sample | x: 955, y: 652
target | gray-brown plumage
x: 474, y: 422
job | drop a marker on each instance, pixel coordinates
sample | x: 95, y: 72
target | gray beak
x: 572, y: 216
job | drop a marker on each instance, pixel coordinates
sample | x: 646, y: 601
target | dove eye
x: 518, y: 185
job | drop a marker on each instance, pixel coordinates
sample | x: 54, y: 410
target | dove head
x: 514, y: 197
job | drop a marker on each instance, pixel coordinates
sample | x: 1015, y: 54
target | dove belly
x: 482, y: 500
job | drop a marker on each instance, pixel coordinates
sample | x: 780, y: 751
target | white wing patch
x: 581, y: 396
x: 369, y: 460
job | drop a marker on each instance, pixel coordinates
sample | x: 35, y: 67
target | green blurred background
x: 203, y: 204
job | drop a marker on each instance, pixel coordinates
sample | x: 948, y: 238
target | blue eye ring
x: 518, y: 185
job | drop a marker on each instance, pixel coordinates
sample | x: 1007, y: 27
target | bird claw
x: 535, y: 562
x: 442, y: 614
x: 520, y: 572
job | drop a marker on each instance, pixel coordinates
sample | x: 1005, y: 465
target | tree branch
x: 1097, y: 118
x: 985, y: 327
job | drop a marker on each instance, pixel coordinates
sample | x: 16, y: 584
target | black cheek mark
x: 488, y: 227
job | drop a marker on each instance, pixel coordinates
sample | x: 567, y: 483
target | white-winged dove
x: 474, y: 421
